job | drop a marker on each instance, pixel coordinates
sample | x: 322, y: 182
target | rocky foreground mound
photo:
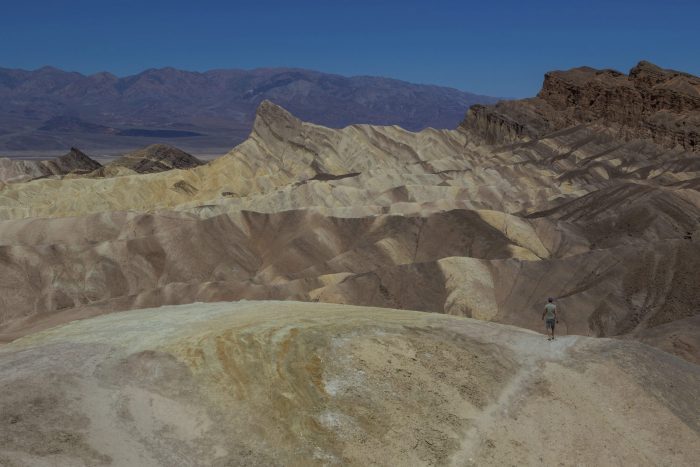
x: 285, y: 383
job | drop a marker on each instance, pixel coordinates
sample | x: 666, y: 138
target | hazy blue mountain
x: 49, y: 108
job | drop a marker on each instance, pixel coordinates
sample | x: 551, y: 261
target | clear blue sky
x: 494, y: 47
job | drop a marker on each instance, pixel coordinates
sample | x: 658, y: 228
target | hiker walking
x: 550, y: 316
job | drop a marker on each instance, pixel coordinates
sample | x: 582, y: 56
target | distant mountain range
x: 51, y: 109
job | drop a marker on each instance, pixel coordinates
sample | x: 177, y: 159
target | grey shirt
x: 549, y: 310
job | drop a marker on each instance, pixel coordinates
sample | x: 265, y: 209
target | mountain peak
x: 267, y: 108
x: 270, y: 116
x: 157, y: 158
x: 76, y: 160
x: 644, y: 65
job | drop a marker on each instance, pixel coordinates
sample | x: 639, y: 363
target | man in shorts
x: 550, y: 316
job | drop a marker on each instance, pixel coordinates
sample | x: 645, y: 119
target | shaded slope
x: 151, y: 159
x: 74, y: 162
x: 122, y: 260
x: 485, y: 266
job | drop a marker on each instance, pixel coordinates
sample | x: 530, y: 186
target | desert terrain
x: 367, y: 295
x: 289, y: 383
x: 607, y: 224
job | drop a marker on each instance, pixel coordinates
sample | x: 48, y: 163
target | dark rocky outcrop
x: 156, y: 158
x: 649, y: 103
x: 74, y: 162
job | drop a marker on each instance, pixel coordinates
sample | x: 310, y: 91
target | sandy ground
x: 286, y: 383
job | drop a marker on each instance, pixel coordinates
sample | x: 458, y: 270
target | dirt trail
x: 287, y: 383
x: 532, y: 361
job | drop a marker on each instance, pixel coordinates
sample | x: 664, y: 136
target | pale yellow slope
x: 431, y: 166
x: 281, y: 383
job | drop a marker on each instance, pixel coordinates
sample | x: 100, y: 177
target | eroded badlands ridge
x: 74, y: 162
x: 477, y: 221
x: 286, y: 383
